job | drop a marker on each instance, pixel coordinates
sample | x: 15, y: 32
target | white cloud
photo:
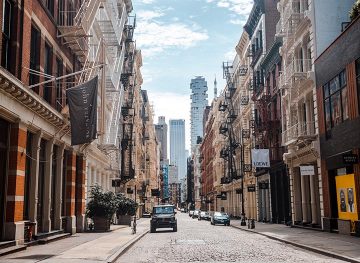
x: 154, y: 36
x: 147, y: 1
x: 237, y: 21
x: 168, y: 105
x: 240, y: 7
x: 230, y: 55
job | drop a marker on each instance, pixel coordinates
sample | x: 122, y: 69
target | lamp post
x: 243, y: 222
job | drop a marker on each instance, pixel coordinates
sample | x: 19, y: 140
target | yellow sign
x: 346, y: 197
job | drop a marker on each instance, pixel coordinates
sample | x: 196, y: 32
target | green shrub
x: 125, y: 205
x: 355, y: 10
x: 101, y: 204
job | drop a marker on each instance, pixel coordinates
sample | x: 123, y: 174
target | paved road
x: 198, y: 241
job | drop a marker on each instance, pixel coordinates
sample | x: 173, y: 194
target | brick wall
x: 16, y: 174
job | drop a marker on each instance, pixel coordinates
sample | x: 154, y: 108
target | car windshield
x: 163, y: 210
x: 220, y: 214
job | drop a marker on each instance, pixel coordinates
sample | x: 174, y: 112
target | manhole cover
x: 190, y: 242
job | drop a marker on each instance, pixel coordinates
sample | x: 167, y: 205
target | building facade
x: 177, y: 146
x: 199, y: 101
x: 338, y: 96
x: 47, y: 178
x: 306, y: 29
x: 161, y: 129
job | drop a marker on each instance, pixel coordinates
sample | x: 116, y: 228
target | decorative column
x: 305, y: 202
x: 296, y: 192
x: 14, y: 224
x: 46, y: 221
x: 313, y: 197
x: 80, y: 194
x: 267, y: 204
x: 58, y: 177
x: 33, y: 198
x: 70, y: 193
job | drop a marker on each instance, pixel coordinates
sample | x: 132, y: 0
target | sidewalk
x: 82, y: 247
x: 330, y: 244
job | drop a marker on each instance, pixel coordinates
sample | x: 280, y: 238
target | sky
x: 181, y: 39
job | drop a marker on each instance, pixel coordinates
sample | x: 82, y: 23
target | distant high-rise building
x: 161, y: 134
x: 177, y: 146
x: 199, y: 101
x: 215, y: 88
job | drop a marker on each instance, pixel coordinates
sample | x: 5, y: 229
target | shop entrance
x: 4, y: 135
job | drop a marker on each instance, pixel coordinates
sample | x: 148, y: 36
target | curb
x: 125, y: 248
x: 313, y: 249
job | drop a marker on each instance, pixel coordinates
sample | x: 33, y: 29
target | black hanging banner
x: 82, y: 101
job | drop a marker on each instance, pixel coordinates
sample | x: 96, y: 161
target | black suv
x: 163, y: 216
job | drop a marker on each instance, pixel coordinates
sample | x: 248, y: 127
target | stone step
x: 53, y: 238
x: 5, y: 244
x: 12, y: 249
x: 40, y: 236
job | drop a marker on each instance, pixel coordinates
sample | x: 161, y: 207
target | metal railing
x: 291, y: 16
x: 301, y: 129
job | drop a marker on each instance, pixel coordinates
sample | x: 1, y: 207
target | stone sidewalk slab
x: 330, y: 244
x: 84, y: 247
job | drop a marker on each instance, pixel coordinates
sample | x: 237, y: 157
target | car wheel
x: 175, y: 229
x: 152, y: 229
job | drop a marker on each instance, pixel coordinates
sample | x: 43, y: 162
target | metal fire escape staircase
x: 128, y: 80
x: 226, y: 128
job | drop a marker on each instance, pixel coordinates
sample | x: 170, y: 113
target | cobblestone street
x: 199, y: 241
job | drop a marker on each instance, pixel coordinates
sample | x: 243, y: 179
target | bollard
x: 252, y: 223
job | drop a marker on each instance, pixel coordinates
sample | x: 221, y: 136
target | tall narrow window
x: 358, y: 80
x: 50, y: 6
x: 34, y: 55
x: 48, y: 71
x: 59, y: 85
x: 336, y: 101
x: 27, y: 175
x: 6, y: 34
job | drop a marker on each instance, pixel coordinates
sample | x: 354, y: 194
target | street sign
x: 263, y: 185
x: 238, y: 191
x: 349, y: 158
x: 129, y: 191
x: 251, y: 188
x: 307, y: 170
x: 155, y: 192
x: 223, y: 196
x: 115, y: 183
x: 260, y: 158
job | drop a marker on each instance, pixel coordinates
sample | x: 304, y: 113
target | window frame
x: 334, y: 89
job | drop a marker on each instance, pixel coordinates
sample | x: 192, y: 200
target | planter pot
x: 344, y: 226
x: 101, y: 224
x: 124, y: 220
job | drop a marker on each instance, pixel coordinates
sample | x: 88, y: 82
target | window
x: 6, y: 33
x: 335, y: 101
x: 50, y: 6
x: 59, y: 84
x: 358, y: 80
x: 48, y: 71
x: 34, y: 56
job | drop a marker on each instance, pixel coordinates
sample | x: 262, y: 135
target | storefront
x: 4, y: 132
x: 263, y: 197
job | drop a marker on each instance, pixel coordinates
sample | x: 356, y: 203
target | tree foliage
x: 355, y: 10
x: 125, y: 205
x: 101, y: 204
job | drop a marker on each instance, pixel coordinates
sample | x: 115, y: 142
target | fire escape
x: 226, y: 128
x: 128, y: 80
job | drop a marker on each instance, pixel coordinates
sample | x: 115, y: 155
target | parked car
x: 220, y: 218
x: 204, y: 215
x: 146, y: 214
x: 196, y: 214
x: 191, y: 212
x: 163, y: 216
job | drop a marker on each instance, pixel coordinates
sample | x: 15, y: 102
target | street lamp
x: 243, y: 222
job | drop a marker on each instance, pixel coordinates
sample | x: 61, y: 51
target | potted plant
x: 101, y: 208
x: 126, y: 208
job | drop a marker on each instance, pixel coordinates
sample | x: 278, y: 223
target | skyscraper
x: 177, y: 146
x: 161, y: 134
x: 199, y: 101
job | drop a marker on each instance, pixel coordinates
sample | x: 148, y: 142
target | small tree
x: 125, y: 205
x: 101, y: 204
x: 355, y: 10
